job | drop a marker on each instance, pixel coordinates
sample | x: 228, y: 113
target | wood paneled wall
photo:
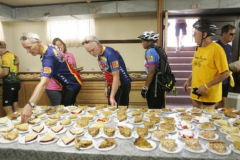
x: 91, y: 93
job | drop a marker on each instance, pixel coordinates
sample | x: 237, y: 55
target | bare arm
x: 106, y: 89
x: 38, y: 92
x: 115, y: 86
x: 4, y: 73
x: 150, y: 75
x: 186, y: 84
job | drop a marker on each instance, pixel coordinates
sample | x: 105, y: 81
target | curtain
x: 72, y: 32
x: 1, y: 32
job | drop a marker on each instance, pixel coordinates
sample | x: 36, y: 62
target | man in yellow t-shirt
x: 209, y: 67
x: 11, y: 82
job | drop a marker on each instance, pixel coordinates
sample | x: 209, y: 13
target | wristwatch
x: 31, y: 104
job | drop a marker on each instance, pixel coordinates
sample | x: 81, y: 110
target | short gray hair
x: 33, y: 37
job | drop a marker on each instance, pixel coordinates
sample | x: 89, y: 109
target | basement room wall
x: 105, y: 29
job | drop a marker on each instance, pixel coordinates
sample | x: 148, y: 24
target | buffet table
x: 124, y: 150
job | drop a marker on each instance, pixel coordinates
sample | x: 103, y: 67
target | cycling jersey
x: 109, y: 61
x: 11, y: 61
x: 57, y: 67
x: 151, y: 58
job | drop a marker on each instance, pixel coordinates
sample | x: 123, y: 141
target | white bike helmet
x: 149, y: 36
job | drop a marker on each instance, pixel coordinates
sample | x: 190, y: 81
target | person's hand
x: 26, y: 113
x: 144, y: 92
x: 236, y: 68
x: 202, y: 90
x: 112, y: 101
x: 106, y: 92
x: 185, y: 86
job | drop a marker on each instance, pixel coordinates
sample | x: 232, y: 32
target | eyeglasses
x: 232, y: 34
x: 87, y: 41
x: 25, y: 38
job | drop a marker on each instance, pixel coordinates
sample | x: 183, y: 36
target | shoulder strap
x: 163, y: 59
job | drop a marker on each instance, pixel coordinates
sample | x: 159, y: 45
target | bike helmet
x: 205, y: 25
x: 149, y: 36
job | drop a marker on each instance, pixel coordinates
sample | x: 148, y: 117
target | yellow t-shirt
x: 11, y: 61
x: 207, y: 63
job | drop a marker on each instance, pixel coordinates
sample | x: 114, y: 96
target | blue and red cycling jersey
x: 151, y: 58
x: 109, y: 61
x: 56, y: 66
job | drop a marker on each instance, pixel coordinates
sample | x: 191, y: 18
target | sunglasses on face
x: 232, y: 34
x: 87, y: 41
x: 25, y: 38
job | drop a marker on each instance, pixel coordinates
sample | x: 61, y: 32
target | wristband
x: 206, y: 86
x: 111, y: 98
x: 145, y: 88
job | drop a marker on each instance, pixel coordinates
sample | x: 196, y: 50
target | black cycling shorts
x: 208, y: 103
x: 225, y: 89
x: 10, y: 93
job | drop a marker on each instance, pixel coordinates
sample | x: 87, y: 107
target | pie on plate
x: 94, y: 131
x: 218, y: 146
x: 106, y: 143
x: 76, y: 131
x: 11, y: 136
x: 109, y: 131
x: 169, y: 144
x: 79, y: 143
x: 48, y: 137
x: 38, y: 129
x: 22, y: 127
x: 68, y: 139
x: 30, y: 137
x: 141, y: 142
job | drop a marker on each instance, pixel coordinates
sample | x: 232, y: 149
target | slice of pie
x: 122, y: 108
x: 170, y: 127
x: 48, y: 137
x: 222, y: 122
x: 59, y: 106
x: 237, y: 112
x: 109, y: 131
x: 121, y: 112
x: 11, y: 136
x: 112, y: 108
x: 76, y: 111
x: 209, y: 109
x: 236, y: 122
x: 142, y: 131
x: 195, y: 110
x: 63, y: 111
x: 50, y: 122
x: 76, y: 131
x: 216, y: 116
x: 104, y: 119
x: 155, y: 119
x: 169, y: 144
x: 72, y: 116
x: 107, y: 113
x: 94, y: 131
x: 192, y: 143
x: 85, y: 107
x: 93, y: 112
x: 126, y: 132
x: 169, y: 119
x: 30, y: 137
x: 6, y: 129
x: 156, y: 111
x: 206, y: 125
x: 218, y: 146
x: 149, y: 114
x: 22, y: 127
x: 34, y: 121
x: 65, y: 122
x: 13, y: 116
x: 136, y: 112
x: 148, y: 124
x: 138, y: 119
x: 207, y: 134
x: 38, y: 129
x: 55, y: 116
x: 122, y: 117
x: 50, y: 111
x: 57, y: 129
x: 100, y: 106
x: 234, y: 137
x: 79, y: 143
x: 160, y: 134
x: 144, y: 109
x: 88, y: 116
x: 141, y: 142
x: 68, y: 139
x: 3, y: 120
x: 230, y: 114
x: 236, y: 144
x: 82, y: 122
x: 196, y: 114
x: 230, y: 129
x: 106, y: 143
x: 44, y: 107
x: 16, y: 122
x: 181, y: 109
x: 41, y: 116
